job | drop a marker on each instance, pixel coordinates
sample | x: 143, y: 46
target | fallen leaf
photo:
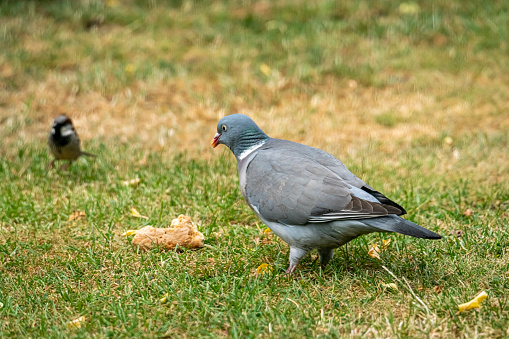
x: 217, y: 234
x: 76, y: 323
x: 133, y: 182
x: 438, y: 289
x: 409, y: 8
x: 129, y: 232
x: 266, y: 241
x: 129, y: 68
x: 352, y: 83
x: 265, y: 69
x: 468, y: 212
x: 77, y: 215
x: 267, y: 231
x: 137, y: 214
x: 374, y: 251
x: 474, y: 303
x: 264, y: 268
x: 111, y: 3
x: 448, y: 140
x: 391, y: 286
x: 164, y: 299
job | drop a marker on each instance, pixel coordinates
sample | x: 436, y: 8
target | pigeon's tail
x: 392, y: 223
x: 89, y: 154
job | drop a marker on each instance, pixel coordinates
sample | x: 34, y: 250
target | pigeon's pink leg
x: 296, y: 254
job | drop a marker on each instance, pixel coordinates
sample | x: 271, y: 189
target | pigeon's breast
x: 242, y: 165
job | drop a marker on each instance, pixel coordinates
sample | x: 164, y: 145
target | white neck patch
x: 251, y: 149
x: 66, y: 130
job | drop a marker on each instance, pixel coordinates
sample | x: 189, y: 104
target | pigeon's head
x: 62, y: 126
x: 239, y: 133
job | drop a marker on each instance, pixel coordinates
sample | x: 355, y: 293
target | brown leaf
x: 374, y: 251
x: 266, y: 241
x: 133, y: 182
x: 76, y: 323
x: 77, y: 215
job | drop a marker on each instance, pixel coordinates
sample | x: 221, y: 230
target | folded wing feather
x: 293, y: 188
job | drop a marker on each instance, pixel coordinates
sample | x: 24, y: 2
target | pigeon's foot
x: 290, y: 269
x: 296, y: 254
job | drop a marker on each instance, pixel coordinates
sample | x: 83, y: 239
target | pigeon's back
x: 319, y: 156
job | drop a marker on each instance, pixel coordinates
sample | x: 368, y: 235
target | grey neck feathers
x: 248, y: 139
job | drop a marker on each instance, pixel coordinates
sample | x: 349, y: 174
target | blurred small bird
x: 306, y: 196
x: 64, y: 141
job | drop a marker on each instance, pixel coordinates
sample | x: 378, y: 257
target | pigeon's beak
x: 215, y: 141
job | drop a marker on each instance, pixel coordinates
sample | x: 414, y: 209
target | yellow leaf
x: 76, y: 323
x: 133, y: 182
x: 267, y: 231
x: 77, y: 215
x: 164, y: 298
x: 137, y: 214
x: 409, y: 8
x: 264, y: 268
x: 474, y: 303
x: 386, y: 243
x: 391, y: 286
x: 111, y: 3
x: 374, y: 251
x: 129, y: 68
x: 265, y: 69
x: 129, y: 232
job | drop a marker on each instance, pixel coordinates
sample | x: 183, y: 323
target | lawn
x: 412, y: 96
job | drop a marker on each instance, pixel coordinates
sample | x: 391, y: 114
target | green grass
x: 54, y: 270
x: 414, y: 103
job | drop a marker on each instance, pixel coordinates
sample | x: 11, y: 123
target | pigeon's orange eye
x: 224, y: 128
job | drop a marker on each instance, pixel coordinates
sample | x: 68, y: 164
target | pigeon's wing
x: 382, y: 198
x: 289, y: 187
x: 327, y: 160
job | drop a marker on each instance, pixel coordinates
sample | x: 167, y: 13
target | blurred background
x: 339, y: 75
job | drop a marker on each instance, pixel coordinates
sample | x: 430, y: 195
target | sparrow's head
x: 62, y: 127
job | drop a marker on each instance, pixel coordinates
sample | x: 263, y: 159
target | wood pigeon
x: 306, y: 196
